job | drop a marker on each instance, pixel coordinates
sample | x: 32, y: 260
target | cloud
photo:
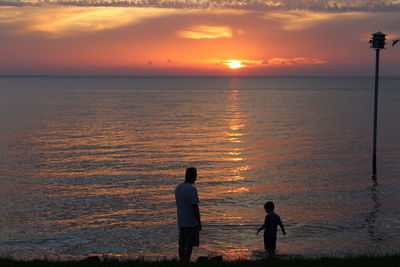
x: 272, y: 62
x: 206, y: 32
x: 315, y: 5
x: 278, y: 61
x: 297, y: 20
x: 60, y: 21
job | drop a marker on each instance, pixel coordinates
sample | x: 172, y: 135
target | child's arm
x: 261, y: 228
x: 282, y: 227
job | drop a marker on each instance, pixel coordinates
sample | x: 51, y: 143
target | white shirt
x: 186, y: 196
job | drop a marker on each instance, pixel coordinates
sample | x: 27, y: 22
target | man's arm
x: 261, y: 228
x: 196, y: 210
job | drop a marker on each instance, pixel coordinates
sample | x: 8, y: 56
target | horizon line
x: 185, y: 76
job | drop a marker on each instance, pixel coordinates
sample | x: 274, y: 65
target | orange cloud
x: 276, y: 61
x: 300, y: 19
x: 206, y: 32
x: 60, y: 21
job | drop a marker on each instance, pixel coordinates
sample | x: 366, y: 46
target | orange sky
x: 179, y: 39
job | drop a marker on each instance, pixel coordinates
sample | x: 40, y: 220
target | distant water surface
x: 88, y: 165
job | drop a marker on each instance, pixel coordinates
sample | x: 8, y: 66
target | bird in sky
x: 395, y: 42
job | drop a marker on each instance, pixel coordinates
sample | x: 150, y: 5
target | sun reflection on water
x: 233, y: 180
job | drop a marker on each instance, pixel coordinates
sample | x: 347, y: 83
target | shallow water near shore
x: 89, y: 164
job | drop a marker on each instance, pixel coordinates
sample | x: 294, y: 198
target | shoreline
x: 365, y: 261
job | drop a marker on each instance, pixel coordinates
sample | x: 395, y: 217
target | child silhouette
x: 272, y: 220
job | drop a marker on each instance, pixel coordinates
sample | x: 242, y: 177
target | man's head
x: 191, y: 175
x: 269, y: 206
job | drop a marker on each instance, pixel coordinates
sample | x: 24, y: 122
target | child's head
x: 269, y: 206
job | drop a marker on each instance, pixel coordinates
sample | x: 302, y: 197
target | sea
x: 88, y: 165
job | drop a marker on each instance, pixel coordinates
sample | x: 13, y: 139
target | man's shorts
x: 270, y: 242
x: 189, y: 237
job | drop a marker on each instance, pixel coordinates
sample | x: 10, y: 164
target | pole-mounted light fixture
x: 377, y: 42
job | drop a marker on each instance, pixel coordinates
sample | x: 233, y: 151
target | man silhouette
x: 189, y: 221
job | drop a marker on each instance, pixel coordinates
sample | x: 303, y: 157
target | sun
x: 234, y: 64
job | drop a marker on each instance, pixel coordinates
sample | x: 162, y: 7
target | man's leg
x: 187, y: 253
x: 188, y: 238
x: 181, y: 249
x: 181, y: 252
x: 185, y: 246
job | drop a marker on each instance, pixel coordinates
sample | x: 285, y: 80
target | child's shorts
x: 270, y: 242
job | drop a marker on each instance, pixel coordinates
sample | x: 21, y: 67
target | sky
x: 197, y: 37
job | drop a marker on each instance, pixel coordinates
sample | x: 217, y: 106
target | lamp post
x: 377, y: 42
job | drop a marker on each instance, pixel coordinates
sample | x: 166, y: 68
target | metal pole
x: 375, y: 112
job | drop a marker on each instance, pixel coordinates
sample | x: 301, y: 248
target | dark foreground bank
x: 365, y: 261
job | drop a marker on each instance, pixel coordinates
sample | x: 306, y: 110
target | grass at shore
x: 364, y: 261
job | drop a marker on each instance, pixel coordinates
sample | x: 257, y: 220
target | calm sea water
x: 88, y: 165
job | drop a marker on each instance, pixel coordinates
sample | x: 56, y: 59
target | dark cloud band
x: 315, y: 5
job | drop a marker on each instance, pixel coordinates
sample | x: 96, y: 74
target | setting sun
x: 234, y: 64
